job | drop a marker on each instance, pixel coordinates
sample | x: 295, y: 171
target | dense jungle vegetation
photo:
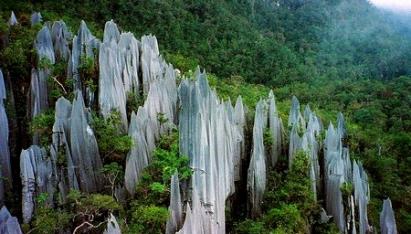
x: 337, y: 55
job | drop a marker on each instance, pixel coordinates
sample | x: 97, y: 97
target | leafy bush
x: 42, y: 125
x: 149, y: 219
x: 49, y: 220
x: 168, y: 159
x: 287, y: 217
x: 113, y: 144
x: 250, y: 227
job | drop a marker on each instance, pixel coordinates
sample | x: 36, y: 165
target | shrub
x: 149, y: 219
x: 249, y: 226
x: 48, y: 220
x: 42, y: 125
x: 113, y: 144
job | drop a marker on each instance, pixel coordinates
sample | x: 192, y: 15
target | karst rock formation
x: 212, y: 134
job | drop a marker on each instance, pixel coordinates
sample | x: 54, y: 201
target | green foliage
x: 158, y: 187
x: 134, y: 100
x: 113, y: 172
x: 249, y: 226
x: 268, y: 139
x: 287, y: 195
x: 168, y: 159
x: 88, y: 72
x: 293, y: 223
x: 44, y: 63
x: 149, y: 219
x: 113, y: 144
x: 48, y: 220
x: 346, y: 189
x: 42, y: 125
x: 181, y: 62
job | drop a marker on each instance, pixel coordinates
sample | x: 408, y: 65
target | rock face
x: 8, y: 223
x: 208, y: 138
x: 84, y: 150
x: 36, y: 176
x: 256, y: 180
x: 387, y: 219
x: 5, y: 170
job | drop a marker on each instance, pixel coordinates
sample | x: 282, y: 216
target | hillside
x: 336, y: 56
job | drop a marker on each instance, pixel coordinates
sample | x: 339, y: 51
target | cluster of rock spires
x: 266, y: 119
x: 212, y: 135
x: 210, y: 129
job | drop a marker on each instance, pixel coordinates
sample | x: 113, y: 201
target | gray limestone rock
x: 275, y: 125
x: 175, y: 220
x: 61, y: 37
x: 44, y: 45
x: 5, y: 170
x: 112, y: 226
x: 37, y: 177
x: 84, y: 150
x: 83, y: 45
x: 13, y: 19
x: 36, y: 18
x: 256, y: 180
x: 9, y: 224
x: 387, y: 218
x: 208, y: 137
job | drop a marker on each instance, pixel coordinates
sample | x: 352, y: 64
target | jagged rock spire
x: 60, y: 37
x: 36, y: 176
x: 112, y: 226
x: 151, y: 62
x: 5, y: 169
x: 175, y: 220
x: 240, y: 150
x: 119, y: 67
x: 9, y: 224
x: 145, y: 128
x: 60, y: 147
x: 387, y: 218
x: 256, y: 180
x: 276, y: 127
x: 139, y: 156
x: 13, y: 20
x: 36, y: 18
x: 84, y: 150
x: 44, y: 45
x: 208, y: 138
x: 83, y: 45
